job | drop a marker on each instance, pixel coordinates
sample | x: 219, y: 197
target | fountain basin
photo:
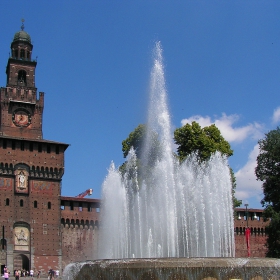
x: 178, y: 269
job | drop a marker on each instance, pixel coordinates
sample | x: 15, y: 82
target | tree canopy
x: 189, y: 138
x: 204, y: 141
x: 268, y: 171
x: 135, y: 139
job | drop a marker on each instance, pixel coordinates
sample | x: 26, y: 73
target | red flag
x: 247, y: 234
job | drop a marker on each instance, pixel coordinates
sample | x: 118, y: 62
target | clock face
x: 21, y: 117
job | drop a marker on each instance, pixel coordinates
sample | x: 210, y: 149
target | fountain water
x: 170, y: 209
x: 162, y: 219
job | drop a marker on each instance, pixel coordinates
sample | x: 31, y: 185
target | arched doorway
x: 21, y: 261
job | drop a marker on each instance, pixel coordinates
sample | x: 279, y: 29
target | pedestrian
x: 31, y: 273
x: 17, y: 275
x: 6, y: 275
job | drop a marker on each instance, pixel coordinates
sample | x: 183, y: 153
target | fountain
x: 162, y: 219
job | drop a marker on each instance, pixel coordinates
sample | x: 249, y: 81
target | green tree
x: 204, y: 141
x: 189, y: 138
x: 136, y: 140
x: 268, y: 171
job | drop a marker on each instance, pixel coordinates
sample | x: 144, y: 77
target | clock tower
x: 21, y: 111
x: 31, y: 169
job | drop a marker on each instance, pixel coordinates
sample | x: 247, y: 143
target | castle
x: 40, y: 229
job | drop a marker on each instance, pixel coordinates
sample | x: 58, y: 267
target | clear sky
x: 222, y: 66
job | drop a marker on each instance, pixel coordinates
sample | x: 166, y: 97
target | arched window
x: 7, y: 201
x: 49, y: 205
x: 21, y: 77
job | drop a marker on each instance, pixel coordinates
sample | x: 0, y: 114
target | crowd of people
x: 52, y: 274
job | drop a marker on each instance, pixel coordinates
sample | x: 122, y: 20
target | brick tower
x: 31, y: 169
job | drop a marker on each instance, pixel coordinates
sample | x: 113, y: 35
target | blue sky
x: 222, y: 66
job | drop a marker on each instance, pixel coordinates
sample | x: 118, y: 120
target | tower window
x: 57, y: 149
x: 16, y: 53
x: 21, y: 203
x: 49, y: 205
x: 22, y: 145
x: 48, y: 149
x: 28, y: 55
x: 35, y: 204
x: 22, y: 53
x: 31, y: 147
x: 21, y: 77
x: 7, y: 201
x: 13, y: 145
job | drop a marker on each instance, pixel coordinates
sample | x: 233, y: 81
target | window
x: 21, y: 203
x: 31, y: 147
x: 13, y: 145
x: 40, y: 148
x: 35, y: 204
x: 89, y: 207
x: 7, y: 201
x: 57, y: 149
x: 48, y: 149
x: 80, y: 206
x: 71, y: 205
x: 22, y: 145
x: 4, y: 144
x: 49, y: 205
x: 22, y: 77
x: 22, y: 53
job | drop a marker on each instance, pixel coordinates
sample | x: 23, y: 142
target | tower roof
x: 22, y: 36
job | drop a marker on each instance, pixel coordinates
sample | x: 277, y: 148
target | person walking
x: 31, y: 273
x: 6, y: 275
x: 17, y: 275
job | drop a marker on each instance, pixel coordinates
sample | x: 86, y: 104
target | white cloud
x: 225, y: 125
x: 276, y: 115
x: 247, y: 184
